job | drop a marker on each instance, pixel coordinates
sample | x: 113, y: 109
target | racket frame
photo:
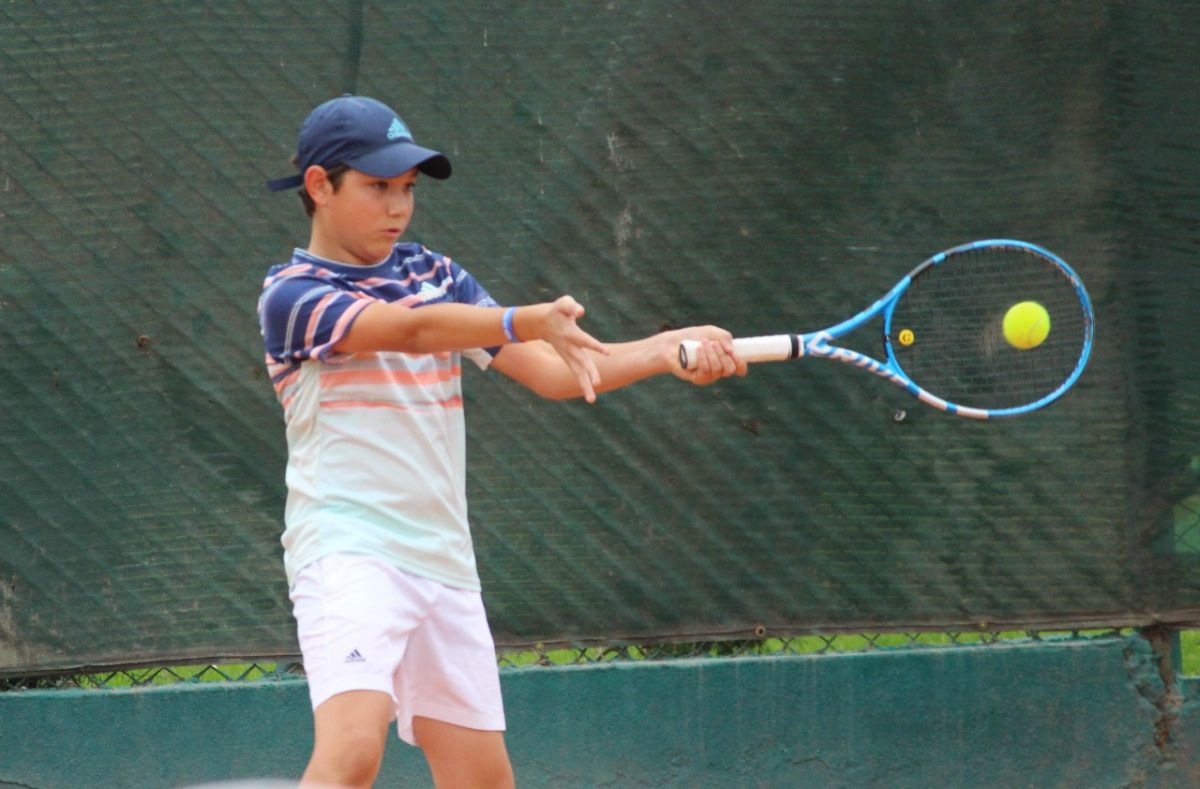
x: 818, y: 344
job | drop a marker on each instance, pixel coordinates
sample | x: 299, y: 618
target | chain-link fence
x: 1187, y: 654
x: 667, y: 169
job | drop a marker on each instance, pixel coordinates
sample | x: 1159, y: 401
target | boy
x: 364, y: 337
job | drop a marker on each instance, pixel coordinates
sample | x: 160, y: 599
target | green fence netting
x: 769, y: 168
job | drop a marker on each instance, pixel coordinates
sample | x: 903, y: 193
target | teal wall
x: 1071, y: 714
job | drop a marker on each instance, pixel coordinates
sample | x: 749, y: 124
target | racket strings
x: 955, y: 312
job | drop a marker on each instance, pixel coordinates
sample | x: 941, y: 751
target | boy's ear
x: 317, y: 184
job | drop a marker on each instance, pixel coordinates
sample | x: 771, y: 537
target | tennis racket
x: 943, y: 332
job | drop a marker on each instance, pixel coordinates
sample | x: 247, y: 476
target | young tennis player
x: 364, y: 335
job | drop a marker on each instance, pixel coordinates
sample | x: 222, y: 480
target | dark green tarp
x: 768, y: 168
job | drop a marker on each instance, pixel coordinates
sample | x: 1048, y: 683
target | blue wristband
x: 508, y: 325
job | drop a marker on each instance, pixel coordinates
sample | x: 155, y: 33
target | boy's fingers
x: 587, y: 383
x: 569, y: 307
x: 588, y: 341
x: 708, y: 360
x: 716, y: 361
x: 728, y: 365
x: 593, y: 372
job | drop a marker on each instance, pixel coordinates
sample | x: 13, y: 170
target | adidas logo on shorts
x: 355, y: 657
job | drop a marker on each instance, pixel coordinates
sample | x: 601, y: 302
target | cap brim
x: 289, y: 182
x: 397, y: 159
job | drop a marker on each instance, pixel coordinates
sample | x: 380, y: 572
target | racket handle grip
x: 774, y: 348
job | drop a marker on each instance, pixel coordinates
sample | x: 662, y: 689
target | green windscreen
x: 770, y: 168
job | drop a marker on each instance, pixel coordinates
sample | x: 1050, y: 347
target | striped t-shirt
x: 376, y: 441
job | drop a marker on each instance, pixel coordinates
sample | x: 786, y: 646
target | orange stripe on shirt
x: 314, y: 318
x: 332, y: 378
x: 291, y: 271
x: 286, y: 381
x: 339, y: 328
x: 361, y: 355
x: 453, y: 402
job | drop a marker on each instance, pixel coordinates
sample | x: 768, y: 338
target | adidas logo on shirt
x: 355, y: 657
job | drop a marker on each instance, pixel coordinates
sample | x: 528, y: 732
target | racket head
x: 944, y: 330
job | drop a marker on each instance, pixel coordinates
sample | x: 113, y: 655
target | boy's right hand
x: 556, y: 323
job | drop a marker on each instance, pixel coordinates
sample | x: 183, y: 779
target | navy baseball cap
x: 364, y: 134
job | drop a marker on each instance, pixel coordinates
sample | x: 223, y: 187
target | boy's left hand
x: 715, y: 358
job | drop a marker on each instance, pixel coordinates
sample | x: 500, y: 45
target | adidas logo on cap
x: 398, y: 130
x: 355, y: 657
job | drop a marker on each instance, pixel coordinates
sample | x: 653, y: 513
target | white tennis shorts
x: 363, y: 624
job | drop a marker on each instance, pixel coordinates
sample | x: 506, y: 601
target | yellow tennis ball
x: 1026, y: 325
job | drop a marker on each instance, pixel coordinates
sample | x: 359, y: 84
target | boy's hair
x: 334, y: 173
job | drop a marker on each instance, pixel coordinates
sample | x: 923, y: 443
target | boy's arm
x: 538, y: 367
x: 383, y: 326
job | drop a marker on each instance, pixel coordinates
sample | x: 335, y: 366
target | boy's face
x: 361, y: 221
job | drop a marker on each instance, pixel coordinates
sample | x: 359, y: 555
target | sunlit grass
x: 820, y: 645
